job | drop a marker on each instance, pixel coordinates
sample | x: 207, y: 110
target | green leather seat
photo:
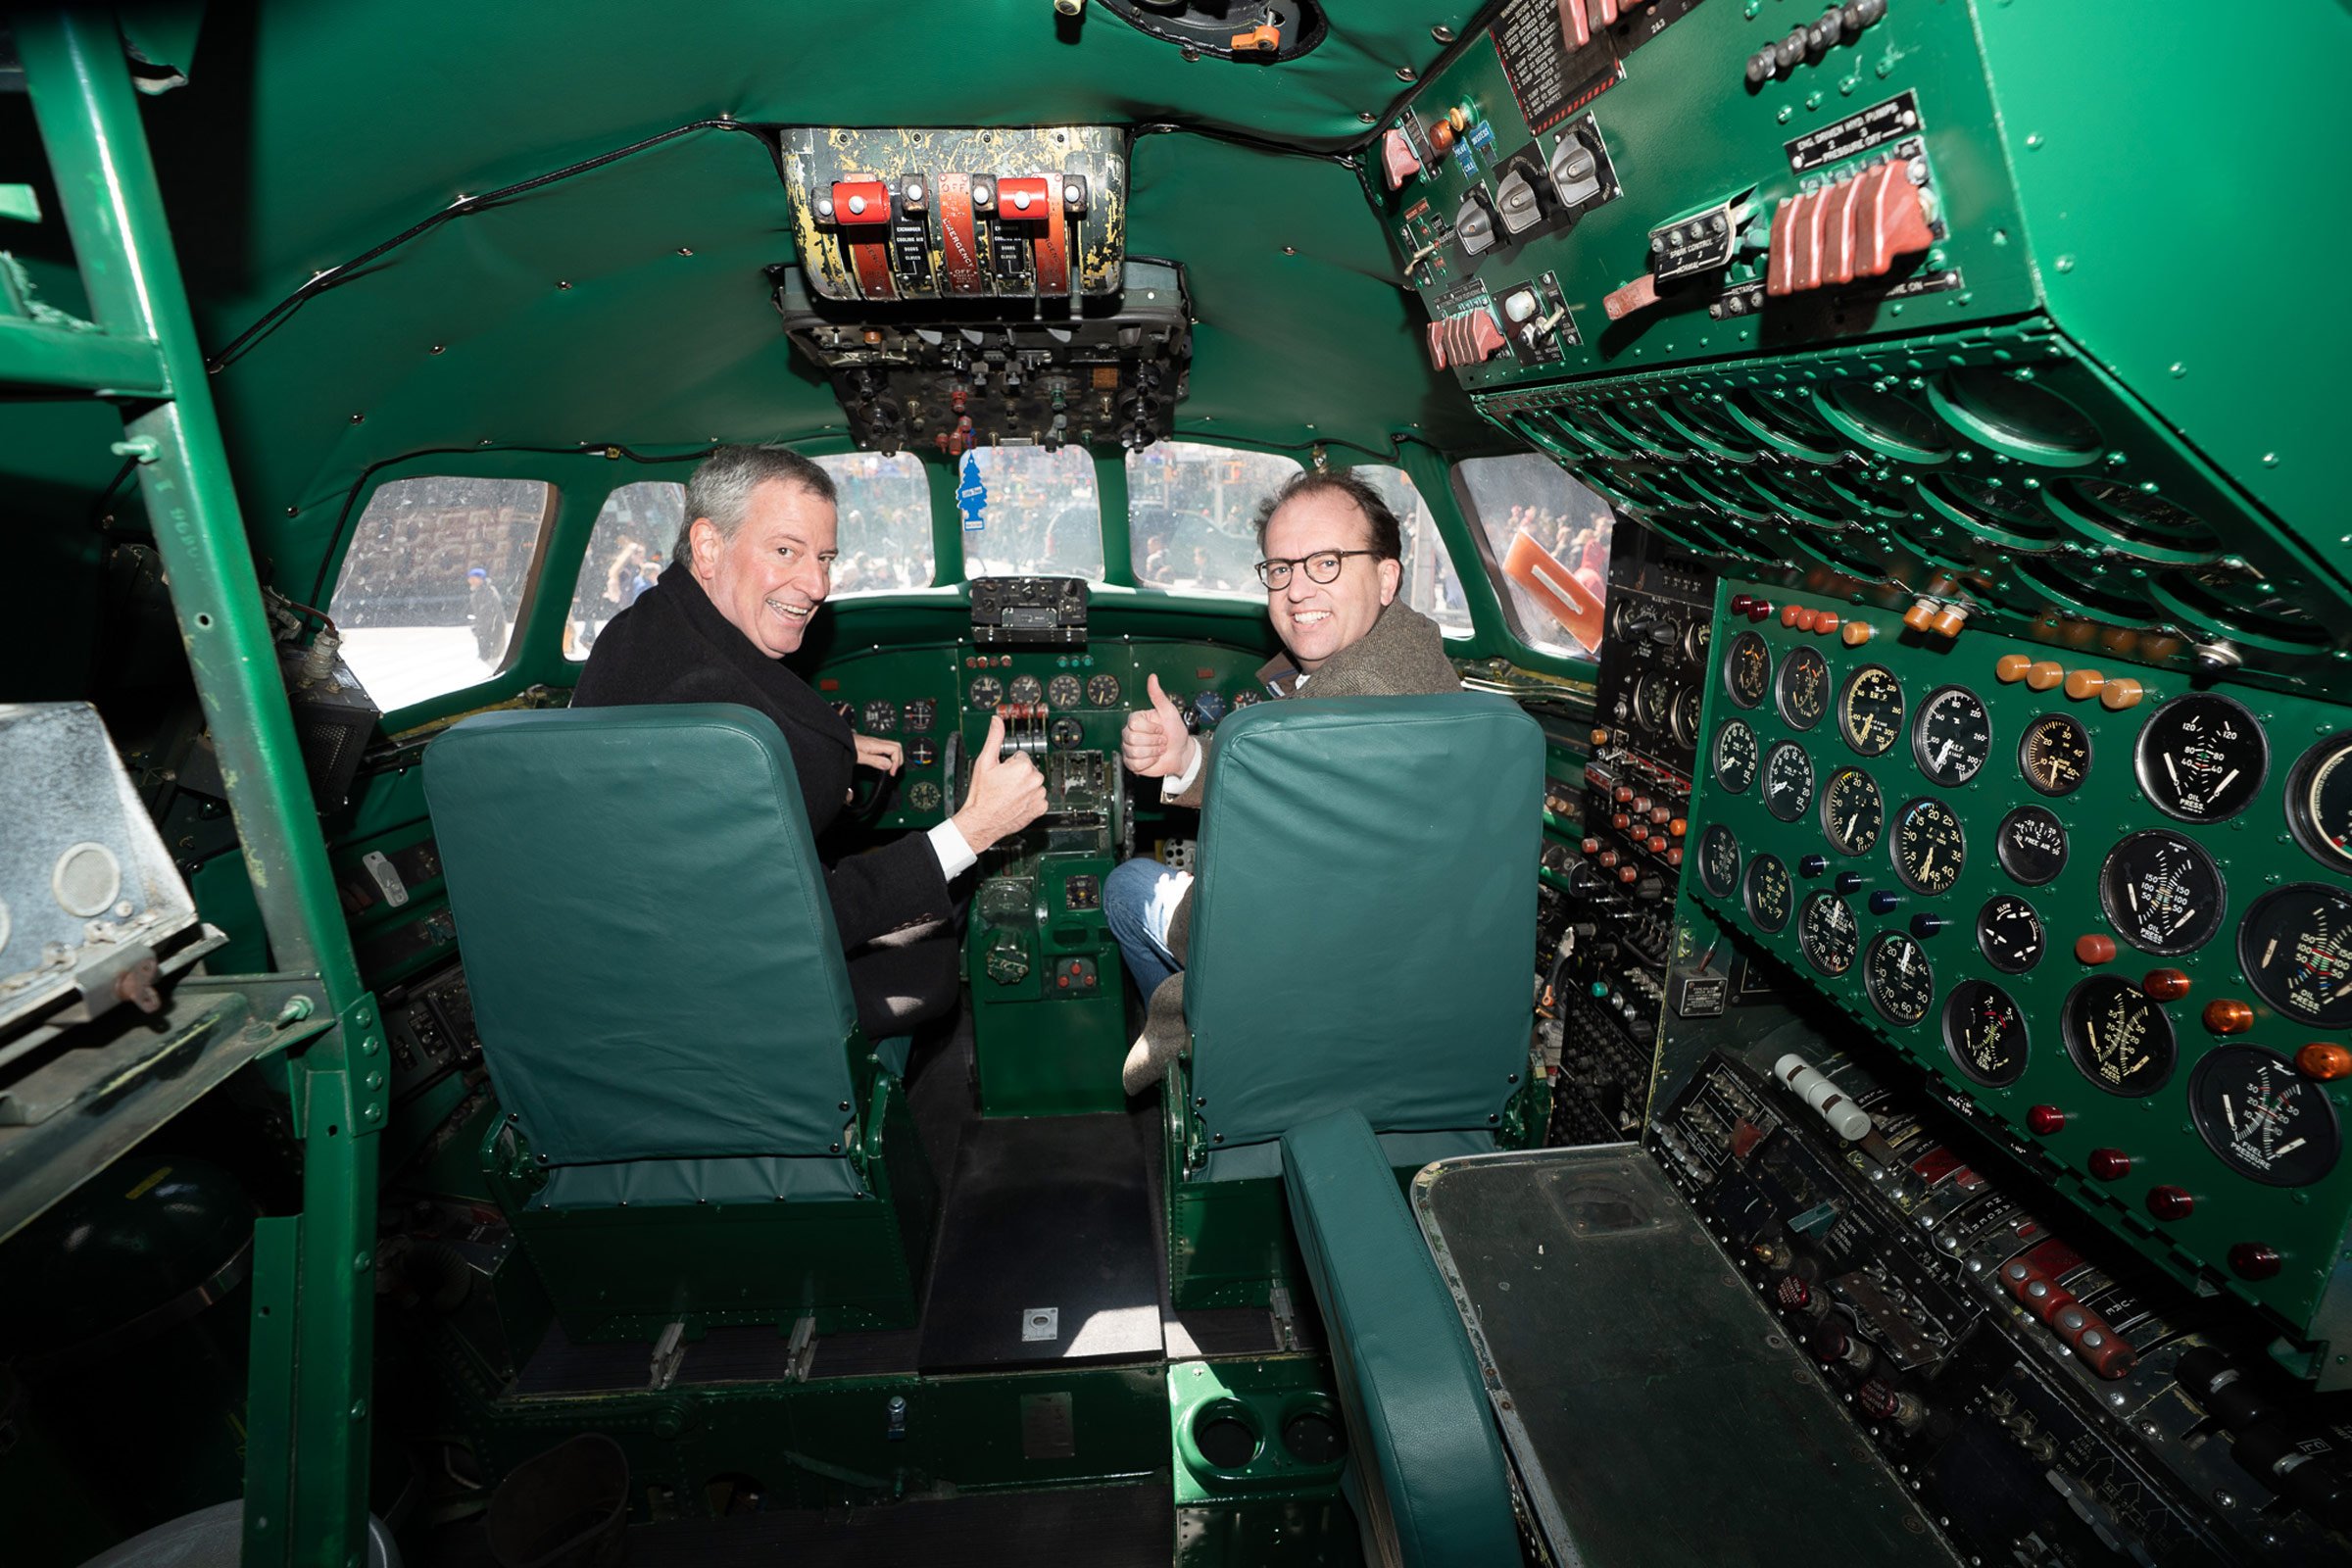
x: 666, y: 1016
x: 1358, y: 942
x: 1428, y: 1480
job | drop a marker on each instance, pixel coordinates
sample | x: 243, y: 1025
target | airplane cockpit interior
x: 1229, y: 783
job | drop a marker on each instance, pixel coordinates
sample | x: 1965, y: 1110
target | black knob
x: 1649, y: 888
x: 1847, y: 882
x: 1813, y: 865
x: 1926, y: 925
x: 1884, y: 901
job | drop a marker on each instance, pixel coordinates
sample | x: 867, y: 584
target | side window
x: 885, y: 516
x: 635, y: 531
x: 1044, y: 516
x: 1548, y: 538
x: 1191, y: 514
x: 1429, y: 584
x: 431, y: 582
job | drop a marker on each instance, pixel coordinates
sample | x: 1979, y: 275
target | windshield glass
x: 1191, y: 514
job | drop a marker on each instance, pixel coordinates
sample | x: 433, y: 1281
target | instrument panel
x: 2110, y: 911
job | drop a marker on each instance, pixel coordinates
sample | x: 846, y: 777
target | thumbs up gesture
x: 1155, y: 744
x: 1005, y: 794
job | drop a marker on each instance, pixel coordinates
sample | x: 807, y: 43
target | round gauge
x: 1064, y: 733
x: 1063, y: 690
x: 1953, y: 738
x: 921, y: 713
x: 923, y: 795
x: 1985, y: 1032
x: 1208, y: 708
x: 1930, y: 848
x: 1899, y: 979
x: 1852, y: 810
x: 2296, y: 945
x: 1246, y: 698
x: 2265, y: 1119
x: 1718, y: 861
x: 1870, y: 711
x: 2161, y: 893
x: 1787, y: 781
x: 1735, y: 757
x: 1747, y: 669
x: 2318, y: 801
x: 1621, y: 619
x: 1767, y: 892
x: 2055, y: 755
x: 2009, y: 934
x: 1696, y: 639
x: 1827, y: 932
x: 1102, y: 691
x: 1027, y: 689
x: 2032, y: 844
x: 921, y: 752
x: 1682, y: 722
x: 2201, y: 757
x: 987, y: 691
x: 2116, y: 1036
x: 1653, y: 699
x: 1802, y: 690
x: 880, y: 718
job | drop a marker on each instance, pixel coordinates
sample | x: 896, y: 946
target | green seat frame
x: 694, y: 1127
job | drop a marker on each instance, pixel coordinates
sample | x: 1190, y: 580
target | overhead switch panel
x: 1856, y: 228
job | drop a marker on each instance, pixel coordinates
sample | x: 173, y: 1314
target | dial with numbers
x: 921, y: 713
x: 1929, y: 846
x: 1827, y: 931
x: 1735, y: 754
x: 987, y: 691
x: 923, y: 795
x: 1766, y: 892
x: 2054, y: 754
x: 878, y: 717
x: 1985, y: 1033
x: 1696, y: 639
x: 1027, y: 689
x: 2032, y: 844
x: 2162, y: 891
x: 2202, y: 757
x: 2296, y: 945
x: 1063, y: 690
x: 1747, y: 669
x: 1899, y: 979
x: 1653, y: 702
x: 1718, y: 861
x: 1787, y: 781
x: 1102, y: 691
x: 1853, y: 811
x: 2318, y: 802
x: 1953, y: 738
x: 2265, y: 1119
x: 1802, y: 689
x: 2116, y: 1038
x: 1870, y: 711
x: 2009, y: 933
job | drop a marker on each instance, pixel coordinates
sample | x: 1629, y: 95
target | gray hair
x: 722, y: 488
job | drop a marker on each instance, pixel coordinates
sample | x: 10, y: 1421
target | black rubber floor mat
x: 1048, y: 1248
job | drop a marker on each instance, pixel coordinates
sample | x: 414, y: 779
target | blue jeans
x: 1139, y: 900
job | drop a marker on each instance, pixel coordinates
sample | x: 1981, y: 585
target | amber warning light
x: 1552, y: 585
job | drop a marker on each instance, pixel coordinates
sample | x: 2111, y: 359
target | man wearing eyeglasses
x: 1334, y: 560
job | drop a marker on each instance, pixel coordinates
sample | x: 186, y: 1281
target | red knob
x: 2097, y: 948
x: 2045, y: 1120
x: 2252, y: 1260
x: 2107, y: 1356
x: 1622, y: 794
x: 1608, y: 858
x: 1627, y: 873
x: 1759, y: 609
x: 1591, y: 846
x: 1740, y: 604
x: 1619, y: 821
x: 2228, y: 1016
x: 1656, y: 845
x: 2164, y: 985
x: 2110, y: 1164
x: 2169, y: 1203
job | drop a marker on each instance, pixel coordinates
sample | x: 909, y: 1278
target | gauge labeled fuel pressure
x: 2296, y: 945
x: 878, y: 717
x: 1718, y: 861
x: 2032, y: 844
x: 1027, y: 689
x: 2116, y: 1038
x: 1953, y: 738
x: 2054, y: 755
x: 1853, y: 811
x: 2162, y: 891
x: 1787, y: 781
x: 1747, y: 669
x: 2201, y: 757
x: 1063, y: 690
x: 1899, y: 979
x: 1930, y: 848
x: 1870, y: 711
x: 987, y: 691
x: 1735, y: 754
x: 1827, y: 931
x: 1102, y: 691
x: 1767, y: 892
x: 2009, y: 934
x: 2266, y: 1120
x: 1802, y: 690
x: 1985, y: 1033
x: 2318, y: 801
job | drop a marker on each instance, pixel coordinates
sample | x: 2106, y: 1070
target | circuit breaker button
x: 861, y: 200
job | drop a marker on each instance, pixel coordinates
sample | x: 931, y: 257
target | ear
x: 704, y: 541
x: 1391, y: 578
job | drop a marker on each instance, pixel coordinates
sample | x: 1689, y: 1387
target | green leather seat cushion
x: 1402, y: 1150
x: 651, y: 1182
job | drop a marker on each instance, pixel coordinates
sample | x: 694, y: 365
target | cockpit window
x: 1191, y: 514
x: 885, y: 511
x: 1541, y: 528
x: 432, y: 581
x: 1429, y: 584
x: 630, y: 546
x: 1042, y: 518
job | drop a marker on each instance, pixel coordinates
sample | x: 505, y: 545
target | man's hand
x: 1155, y: 744
x: 1006, y: 796
x: 888, y: 756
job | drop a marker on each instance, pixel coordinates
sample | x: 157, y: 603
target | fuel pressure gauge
x: 1985, y: 1033
x: 2116, y: 1038
x: 2266, y: 1120
x: 2162, y: 891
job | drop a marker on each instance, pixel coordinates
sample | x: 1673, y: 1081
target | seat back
x: 655, y: 969
x: 1359, y: 926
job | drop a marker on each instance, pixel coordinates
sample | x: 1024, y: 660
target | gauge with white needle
x: 1787, y: 781
x: 1870, y: 711
x: 2116, y: 1038
x: 2202, y: 757
x: 2263, y: 1118
x: 2162, y: 891
x: 1853, y: 811
x: 1951, y: 739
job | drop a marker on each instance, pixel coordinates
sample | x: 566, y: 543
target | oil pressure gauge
x: 1870, y: 711
x: 2202, y: 757
x: 2162, y: 891
x: 2296, y: 945
x: 2116, y: 1038
x: 1985, y: 1033
x: 2266, y: 1120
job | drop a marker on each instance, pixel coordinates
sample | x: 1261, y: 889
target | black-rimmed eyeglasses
x: 1321, y: 567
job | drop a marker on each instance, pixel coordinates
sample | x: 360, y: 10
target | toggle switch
x: 1398, y: 159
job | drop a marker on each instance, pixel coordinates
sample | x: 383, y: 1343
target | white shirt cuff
x: 1170, y: 788
x: 955, y: 857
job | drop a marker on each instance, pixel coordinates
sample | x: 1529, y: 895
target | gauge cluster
x: 2110, y: 910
